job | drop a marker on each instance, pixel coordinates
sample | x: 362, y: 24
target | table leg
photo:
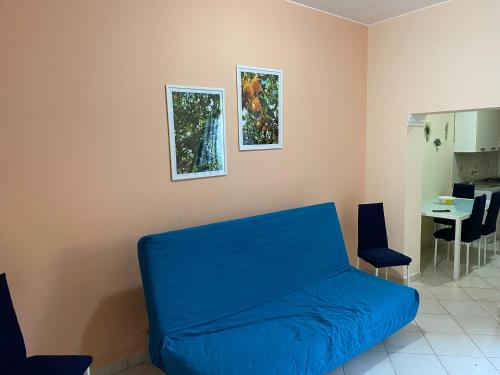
x: 458, y: 239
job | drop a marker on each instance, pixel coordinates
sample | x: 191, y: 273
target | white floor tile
x: 491, y: 307
x: 453, y: 344
x: 478, y: 325
x: 431, y: 306
x: 488, y: 272
x: 493, y: 281
x: 489, y: 345
x: 467, y: 366
x: 473, y: 282
x: 369, y: 363
x: 415, y: 283
x: 464, y: 308
x: 377, y: 348
x: 495, y: 260
x: 416, y: 364
x: 496, y: 363
x: 408, y: 342
x: 444, y: 293
x: 438, y: 280
x: 437, y: 323
x: 483, y: 294
x: 424, y: 292
x: 411, y: 327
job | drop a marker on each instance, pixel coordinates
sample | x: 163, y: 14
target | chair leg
x: 467, y: 260
x: 479, y: 253
x: 495, y: 242
x: 376, y: 271
x: 407, y: 275
x: 485, y: 247
x: 448, y: 254
x: 435, y: 251
x: 88, y: 371
x: 386, y: 268
x: 357, y: 263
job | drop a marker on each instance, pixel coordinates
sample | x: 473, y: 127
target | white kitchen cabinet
x: 477, y: 131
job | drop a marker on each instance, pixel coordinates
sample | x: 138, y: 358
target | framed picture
x: 197, y: 132
x: 259, y: 108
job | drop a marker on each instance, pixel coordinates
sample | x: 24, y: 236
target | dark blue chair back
x: 371, y: 226
x: 472, y: 227
x: 490, y: 224
x: 463, y: 191
x: 12, y: 347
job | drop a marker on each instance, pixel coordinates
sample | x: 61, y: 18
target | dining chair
x: 13, y: 359
x: 373, y: 246
x: 490, y: 223
x: 471, y: 231
x: 459, y: 191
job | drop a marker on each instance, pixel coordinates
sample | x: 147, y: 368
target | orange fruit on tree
x: 248, y: 90
x: 255, y: 104
x: 256, y: 85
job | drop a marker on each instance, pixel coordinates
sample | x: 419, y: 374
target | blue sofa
x: 271, y: 295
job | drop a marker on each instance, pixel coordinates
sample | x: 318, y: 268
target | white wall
x: 437, y: 165
x: 485, y: 163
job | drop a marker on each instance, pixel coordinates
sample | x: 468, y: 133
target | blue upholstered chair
x: 471, y: 231
x: 13, y: 359
x: 459, y: 191
x: 373, y: 246
x: 490, y: 224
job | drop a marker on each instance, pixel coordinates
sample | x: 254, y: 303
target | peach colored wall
x: 84, y: 155
x: 443, y: 58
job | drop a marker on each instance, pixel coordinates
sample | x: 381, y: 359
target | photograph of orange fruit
x: 259, y: 108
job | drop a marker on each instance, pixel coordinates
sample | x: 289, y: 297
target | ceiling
x: 368, y: 12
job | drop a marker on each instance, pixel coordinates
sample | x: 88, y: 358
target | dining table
x: 459, y: 211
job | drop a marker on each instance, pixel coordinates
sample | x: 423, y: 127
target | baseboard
x: 415, y: 276
x: 122, y: 364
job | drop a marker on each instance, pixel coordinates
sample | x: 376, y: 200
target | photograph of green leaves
x: 196, y: 132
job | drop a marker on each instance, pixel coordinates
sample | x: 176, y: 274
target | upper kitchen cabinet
x: 477, y: 131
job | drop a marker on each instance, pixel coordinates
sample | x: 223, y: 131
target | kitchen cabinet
x: 477, y: 131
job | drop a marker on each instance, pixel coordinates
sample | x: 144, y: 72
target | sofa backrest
x: 195, y: 275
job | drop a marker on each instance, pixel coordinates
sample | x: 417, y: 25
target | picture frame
x: 260, y: 108
x: 197, y: 133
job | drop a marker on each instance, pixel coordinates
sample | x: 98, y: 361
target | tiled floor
x: 456, y: 332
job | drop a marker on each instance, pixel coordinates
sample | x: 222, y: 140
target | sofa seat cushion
x: 310, y: 331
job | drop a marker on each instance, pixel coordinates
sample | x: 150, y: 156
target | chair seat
x: 384, y: 257
x: 52, y: 365
x: 444, y: 221
x: 448, y: 234
x: 485, y: 230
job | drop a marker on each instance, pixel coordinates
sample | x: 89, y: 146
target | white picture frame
x: 255, y: 134
x: 195, y: 152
